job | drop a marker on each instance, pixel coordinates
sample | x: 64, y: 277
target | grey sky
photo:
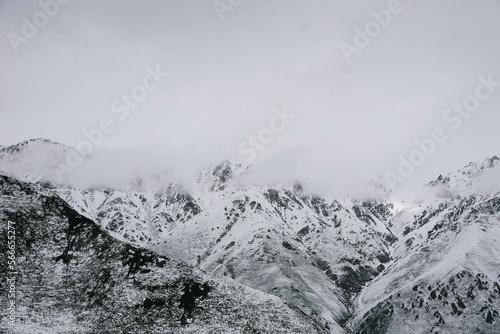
x: 227, y: 77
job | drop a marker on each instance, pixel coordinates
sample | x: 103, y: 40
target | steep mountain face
x: 72, y: 277
x: 357, y: 266
x: 445, y: 273
x: 137, y: 216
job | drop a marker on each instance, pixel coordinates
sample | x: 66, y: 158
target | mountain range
x: 155, y: 255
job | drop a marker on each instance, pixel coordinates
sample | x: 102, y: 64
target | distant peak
x: 22, y: 145
x: 465, y: 177
x: 225, y: 170
x: 44, y: 140
x: 492, y: 161
x: 36, y: 140
x: 228, y: 163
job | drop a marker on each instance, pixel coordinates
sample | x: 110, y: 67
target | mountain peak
x: 12, y: 149
x: 492, y: 161
x: 32, y: 159
x: 463, y: 179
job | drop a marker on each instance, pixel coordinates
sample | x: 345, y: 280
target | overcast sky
x: 228, y: 77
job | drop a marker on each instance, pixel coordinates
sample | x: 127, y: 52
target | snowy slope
x: 446, y: 265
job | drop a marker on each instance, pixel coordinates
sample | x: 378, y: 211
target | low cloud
x: 489, y: 182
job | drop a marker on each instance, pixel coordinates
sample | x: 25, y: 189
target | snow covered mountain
x: 33, y: 160
x: 278, y: 240
x: 445, y: 272
x: 72, y: 277
x: 353, y: 265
